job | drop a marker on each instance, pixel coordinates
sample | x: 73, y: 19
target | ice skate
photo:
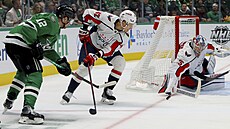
x: 107, y: 97
x: 169, y: 95
x: 28, y: 116
x: 8, y: 104
x: 66, y: 97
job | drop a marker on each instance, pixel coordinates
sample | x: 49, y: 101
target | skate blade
x: 63, y: 102
x: 4, y: 111
x: 26, y: 120
x: 106, y: 101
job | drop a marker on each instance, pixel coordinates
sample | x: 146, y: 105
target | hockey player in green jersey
x: 28, y: 43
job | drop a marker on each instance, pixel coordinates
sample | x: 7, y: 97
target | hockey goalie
x: 191, y: 64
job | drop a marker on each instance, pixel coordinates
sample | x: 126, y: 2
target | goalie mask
x: 199, y: 44
x: 129, y: 17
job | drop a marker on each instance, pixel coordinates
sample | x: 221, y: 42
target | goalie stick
x: 85, y: 80
x: 219, y: 75
x: 197, y: 92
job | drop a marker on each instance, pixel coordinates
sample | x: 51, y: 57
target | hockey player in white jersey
x: 107, y: 35
x: 190, y: 57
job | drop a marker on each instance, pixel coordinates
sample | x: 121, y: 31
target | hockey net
x: 148, y: 74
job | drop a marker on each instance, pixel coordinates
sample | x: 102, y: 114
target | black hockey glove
x: 37, y: 51
x: 66, y: 70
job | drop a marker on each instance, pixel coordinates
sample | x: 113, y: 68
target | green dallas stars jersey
x: 43, y: 28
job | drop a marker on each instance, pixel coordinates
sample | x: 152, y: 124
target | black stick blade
x: 92, y: 111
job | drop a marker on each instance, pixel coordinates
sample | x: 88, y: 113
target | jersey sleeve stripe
x: 181, y: 69
x: 113, y: 48
x: 89, y: 17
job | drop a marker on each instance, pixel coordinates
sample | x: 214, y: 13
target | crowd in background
x: 12, y: 12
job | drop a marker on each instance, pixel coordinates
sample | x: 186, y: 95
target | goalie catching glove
x: 65, y: 70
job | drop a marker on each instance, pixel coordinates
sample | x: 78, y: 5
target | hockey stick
x: 91, y: 110
x: 197, y: 92
x: 81, y: 78
x: 220, y: 75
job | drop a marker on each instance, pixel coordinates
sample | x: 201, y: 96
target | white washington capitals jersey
x: 106, y: 38
x: 187, y: 57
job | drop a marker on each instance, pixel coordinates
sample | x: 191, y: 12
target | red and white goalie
x: 190, y: 61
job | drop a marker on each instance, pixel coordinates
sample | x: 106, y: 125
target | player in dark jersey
x: 28, y: 43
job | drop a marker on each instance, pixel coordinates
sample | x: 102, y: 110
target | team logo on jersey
x: 109, y: 17
x: 187, y: 54
x: 52, y: 18
x: 220, y: 35
x: 97, y: 14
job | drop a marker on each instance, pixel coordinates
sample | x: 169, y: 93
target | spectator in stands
x: 68, y: 2
x: 112, y: 5
x: 227, y: 19
x: 50, y: 7
x: 184, y: 11
x: 173, y: 13
x: 79, y: 14
x: 76, y: 20
x: 191, y: 8
x: 173, y: 6
x: 2, y: 13
x: 82, y: 3
x: 213, y: 15
x: 42, y: 3
x: 208, y: 4
x: 202, y: 13
x: 149, y: 13
x: 37, y: 8
x: 162, y: 7
x: 225, y: 9
x: 14, y: 15
x: 200, y: 3
x: 134, y: 6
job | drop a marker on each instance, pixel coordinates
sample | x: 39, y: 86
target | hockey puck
x: 92, y: 111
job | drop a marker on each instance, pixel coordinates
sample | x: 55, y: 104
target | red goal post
x: 148, y: 74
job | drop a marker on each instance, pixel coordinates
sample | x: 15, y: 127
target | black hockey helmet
x: 65, y: 11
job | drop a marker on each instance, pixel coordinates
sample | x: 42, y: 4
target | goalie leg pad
x: 211, y: 64
x: 173, y: 82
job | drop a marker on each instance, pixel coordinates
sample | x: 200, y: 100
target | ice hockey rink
x: 132, y: 110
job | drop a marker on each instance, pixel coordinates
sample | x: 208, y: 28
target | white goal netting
x: 148, y: 74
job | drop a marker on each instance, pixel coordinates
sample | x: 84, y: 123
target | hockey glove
x: 90, y: 59
x: 66, y: 70
x: 84, y: 35
x: 37, y: 51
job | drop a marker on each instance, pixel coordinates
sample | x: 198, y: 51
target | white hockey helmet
x: 128, y: 16
x: 199, y: 44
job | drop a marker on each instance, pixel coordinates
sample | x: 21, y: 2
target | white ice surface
x: 132, y: 110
